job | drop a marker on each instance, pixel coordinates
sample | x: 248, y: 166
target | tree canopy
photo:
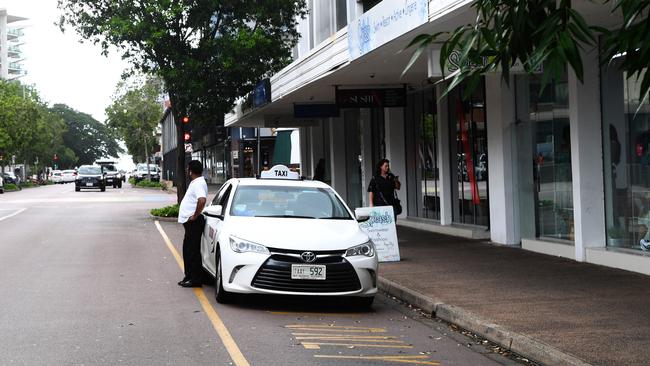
x: 207, y: 52
x: 540, y: 33
x: 87, y: 138
x: 28, y: 130
x: 134, y: 115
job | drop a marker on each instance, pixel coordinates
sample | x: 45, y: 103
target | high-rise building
x: 11, y: 38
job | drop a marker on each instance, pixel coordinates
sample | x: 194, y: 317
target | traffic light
x: 186, y: 119
x: 186, y: 137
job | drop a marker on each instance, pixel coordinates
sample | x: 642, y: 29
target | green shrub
x: 168, y: 211
x: 28, y: 185
x: 132, y: 180
x: 11, y: 187
x: 148, y: 184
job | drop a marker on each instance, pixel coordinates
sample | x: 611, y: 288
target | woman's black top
x: 382, y: 188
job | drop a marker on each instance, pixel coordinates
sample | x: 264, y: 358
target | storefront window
x: 422, y: 124
x: 469, y: 154
x: 353, y: 158
x: 553, y: 191
x: 626, y: 150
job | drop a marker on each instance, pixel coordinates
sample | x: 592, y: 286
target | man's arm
x: 200, y: 204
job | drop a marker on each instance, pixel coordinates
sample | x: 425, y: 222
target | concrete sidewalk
x: 544, y: 307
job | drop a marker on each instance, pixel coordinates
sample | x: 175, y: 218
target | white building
x: 558, y: 173
x: 11, y: 38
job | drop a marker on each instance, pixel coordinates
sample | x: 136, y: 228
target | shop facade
x: 561, y: 170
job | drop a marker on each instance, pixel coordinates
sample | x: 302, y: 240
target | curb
x: 164, y: 219
x: 519, y: 343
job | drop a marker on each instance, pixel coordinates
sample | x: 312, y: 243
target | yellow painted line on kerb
x: 227, y: 339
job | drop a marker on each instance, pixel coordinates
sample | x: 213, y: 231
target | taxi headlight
x: 365, y: 249
x: 243, y: 246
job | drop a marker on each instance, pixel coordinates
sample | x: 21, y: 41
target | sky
x: 62, y: 69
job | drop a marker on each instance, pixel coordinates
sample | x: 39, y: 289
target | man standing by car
x: 190, y: 216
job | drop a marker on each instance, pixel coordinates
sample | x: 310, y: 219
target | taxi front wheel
x: 364, y: 302
x: 222, y: 296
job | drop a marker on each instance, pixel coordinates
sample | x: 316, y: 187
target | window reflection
x: 549, y: 116
x: 626, y: 150
x: 469, y: 149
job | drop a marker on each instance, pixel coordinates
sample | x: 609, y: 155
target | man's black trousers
x: 192, y: 249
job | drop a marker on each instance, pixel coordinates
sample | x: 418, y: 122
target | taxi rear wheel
x: 220, y: 294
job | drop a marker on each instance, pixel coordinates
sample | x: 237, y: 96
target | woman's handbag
x: 397, y: 204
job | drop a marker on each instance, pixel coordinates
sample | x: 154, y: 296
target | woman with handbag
x: 383, y: 187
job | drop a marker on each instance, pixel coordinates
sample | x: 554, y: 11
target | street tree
x: 28, y: 131
x: 546, y: 33
x: 134, y: 115
x: 207, y: 52
x: 86, y: 137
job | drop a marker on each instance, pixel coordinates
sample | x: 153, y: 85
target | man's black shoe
x: 190, y: 283
x: 183, y: 280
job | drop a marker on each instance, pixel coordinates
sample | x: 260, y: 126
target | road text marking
x: 227, y: 339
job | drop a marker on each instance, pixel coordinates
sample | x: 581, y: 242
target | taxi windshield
x: 288, y: 202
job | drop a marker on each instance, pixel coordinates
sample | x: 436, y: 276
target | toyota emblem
x: 308, y: 257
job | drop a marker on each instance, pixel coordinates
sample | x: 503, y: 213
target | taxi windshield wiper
x: 287, y: 216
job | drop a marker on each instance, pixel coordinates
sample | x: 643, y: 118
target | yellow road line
x: 334, y: 328
x: 306, y: 313
x: 342, y: 335
x: 354, y: 345
x: 227, y: 339
x: 416, y: 360
x: 337, y: 330
x: 171, y: 247
x: 348, y: 339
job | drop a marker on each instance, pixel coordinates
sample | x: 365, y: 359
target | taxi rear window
x: 288, y: 202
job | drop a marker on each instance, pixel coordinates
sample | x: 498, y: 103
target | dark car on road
x: 90, y: 177
x: 113, y: 176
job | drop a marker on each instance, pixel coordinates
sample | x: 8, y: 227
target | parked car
x: 68, y: 176
x: 141, y: 172
x: 56, y: 177
x: 10, y: 178
x: 2, y: 185
x: 90, y: 177
x: 305, y: 241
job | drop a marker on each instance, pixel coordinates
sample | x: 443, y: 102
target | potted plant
x: 616, y: 236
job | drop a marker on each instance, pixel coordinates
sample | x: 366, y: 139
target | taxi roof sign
x: 280, y: 172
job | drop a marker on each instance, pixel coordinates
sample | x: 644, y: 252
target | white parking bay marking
x: 14, y: 213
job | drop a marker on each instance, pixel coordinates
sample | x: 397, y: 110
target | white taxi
x: 281, y: 235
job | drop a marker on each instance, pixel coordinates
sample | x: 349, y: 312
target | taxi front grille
x: 275, y: 274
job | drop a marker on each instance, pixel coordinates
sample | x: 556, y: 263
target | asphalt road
x: 89, y: 279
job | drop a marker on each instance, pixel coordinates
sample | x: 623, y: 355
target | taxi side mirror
x: 215, y: 211
x: 362, y: 217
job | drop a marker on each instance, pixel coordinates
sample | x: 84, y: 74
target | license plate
x: 307, y: 272
x: 89, y: 184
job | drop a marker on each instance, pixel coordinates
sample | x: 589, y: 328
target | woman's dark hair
x: 195, y: 167
x: 379, y: 165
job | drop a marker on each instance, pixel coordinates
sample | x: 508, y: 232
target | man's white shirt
x: 198, y: 188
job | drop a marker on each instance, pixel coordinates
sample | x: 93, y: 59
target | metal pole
x: 259, y: 152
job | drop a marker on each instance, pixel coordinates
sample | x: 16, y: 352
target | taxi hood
x: 298, y: 234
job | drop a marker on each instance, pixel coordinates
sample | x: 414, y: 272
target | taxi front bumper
x: 252, y: 273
